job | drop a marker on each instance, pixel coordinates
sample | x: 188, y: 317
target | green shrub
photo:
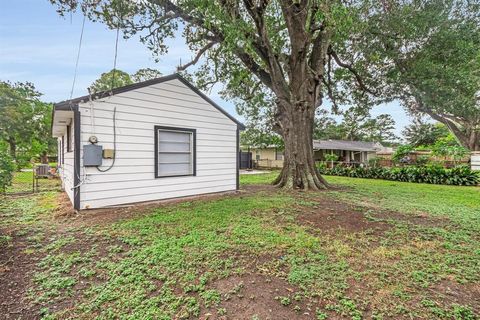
x: 434, y: 174
x: 444, y: 148
x: 374, y: 162
x: 7, y: 167
x: 402, y: 152
x: 331, y: 157
x: 321, y: 165
x: 422, y: 160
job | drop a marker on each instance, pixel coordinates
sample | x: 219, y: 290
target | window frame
x: 69, y: 138
x: 194, y: 150
x: 61, y: 152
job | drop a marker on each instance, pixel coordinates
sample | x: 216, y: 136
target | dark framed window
x: 61, y: 152
x: 69, y: 138
x: 175, y: 152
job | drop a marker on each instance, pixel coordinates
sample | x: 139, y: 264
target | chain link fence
x: 30, y: 181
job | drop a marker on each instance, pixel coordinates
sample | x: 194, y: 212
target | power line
x: 78, y: 57
x: 115, y: 59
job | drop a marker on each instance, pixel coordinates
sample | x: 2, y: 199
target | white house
x: 153, y: 140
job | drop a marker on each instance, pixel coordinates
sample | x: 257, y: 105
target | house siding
x: 267, y: 158
x: 132, y: 178
x: 67, y: 167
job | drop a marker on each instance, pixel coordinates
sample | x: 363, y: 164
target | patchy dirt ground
x: 247, y: 294
x: 253, y: 294
x: 16, y: 267
x: 333, y: 215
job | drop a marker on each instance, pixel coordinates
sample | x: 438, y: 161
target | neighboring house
x: 266, y: 157
x: 157, y: 139
x: 347, y: 151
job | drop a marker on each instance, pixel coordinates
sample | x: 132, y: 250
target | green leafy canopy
x: 24, y: 121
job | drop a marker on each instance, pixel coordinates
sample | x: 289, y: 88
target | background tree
x: 118, y: 78
x: 356, y: 125
x: 24, y: 121
x: 110, y: 80
x: 326, y: 127
x: 449, y: 147
x: 380, y: 129
x: 421, y: 133
x: 253, y: 137
x: 7, y: 168
x: 289, y: 49
x: 145, y: 74
x: 429, y: 52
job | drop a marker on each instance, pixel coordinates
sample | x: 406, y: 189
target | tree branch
x: 452, y: 126
x: 350, y: 68
x: 197, y: 57
x: 216, y: 34
x: 264, y: 47
x: 328, y: 85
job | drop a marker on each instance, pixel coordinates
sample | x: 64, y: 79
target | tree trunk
x: 474, y: 141
x: 13, y: 151
x: 469, y: 139
x: 299, y: 171
x: 13, y: 148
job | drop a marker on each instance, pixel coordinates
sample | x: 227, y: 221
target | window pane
x: 174, y: 158
x: 173, y: 147
x: 174, y: 169
x: 170, y: 141
x: 173, y: 136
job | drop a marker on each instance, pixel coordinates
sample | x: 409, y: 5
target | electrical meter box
x: 92, y: 155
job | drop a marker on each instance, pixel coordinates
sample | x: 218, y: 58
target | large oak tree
x: 428, y: 51
x: 281, y: 50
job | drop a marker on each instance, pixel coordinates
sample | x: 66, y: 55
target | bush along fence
x: 461, y: 175
x: 7, y: 168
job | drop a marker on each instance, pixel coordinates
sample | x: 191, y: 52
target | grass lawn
x: 367, y: 249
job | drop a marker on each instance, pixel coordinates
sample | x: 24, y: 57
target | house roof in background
x: 337, y: 145
x: 347, y: 145
x: 67, y: 104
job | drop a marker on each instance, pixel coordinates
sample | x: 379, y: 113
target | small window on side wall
x: 69, y: 138
x: 61, y: 151
x: 175, y: 152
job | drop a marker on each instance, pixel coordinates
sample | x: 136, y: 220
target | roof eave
x: 57, y: 107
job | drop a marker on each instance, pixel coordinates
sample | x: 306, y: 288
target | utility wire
x: 78, y: 59
x: 114, y: 142
x: 115, y: 108
x: 115, y: 58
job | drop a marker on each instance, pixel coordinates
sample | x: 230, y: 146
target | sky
x: 39, y: 46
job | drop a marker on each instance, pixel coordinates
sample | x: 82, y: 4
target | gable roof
x: 346, y: 145
x: 67, y: 104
